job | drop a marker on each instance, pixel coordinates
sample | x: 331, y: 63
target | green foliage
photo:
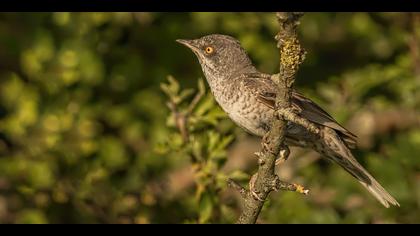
x: 195, y: 136
x: 86, y: 134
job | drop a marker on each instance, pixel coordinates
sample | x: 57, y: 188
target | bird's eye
x: 209, y: 50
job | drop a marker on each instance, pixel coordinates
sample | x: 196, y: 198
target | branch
x: 265, y: 180
x: 289, y: 115
x: 181, y: 117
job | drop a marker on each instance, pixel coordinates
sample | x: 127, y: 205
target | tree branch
x: 265, y: 180
x: 289, y: 115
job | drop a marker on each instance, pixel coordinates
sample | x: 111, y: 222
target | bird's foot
x: 252, y: 188
x: 283, y: 155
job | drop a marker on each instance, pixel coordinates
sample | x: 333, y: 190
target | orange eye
x: 209, y: 50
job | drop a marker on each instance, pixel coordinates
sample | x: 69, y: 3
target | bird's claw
x: 283, y: 155
x: 251, y: 188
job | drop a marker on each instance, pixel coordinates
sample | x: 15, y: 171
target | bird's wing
x: 311, y: 111
x: 305, y: 107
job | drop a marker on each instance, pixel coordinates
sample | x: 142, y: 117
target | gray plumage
x: 248, y: 96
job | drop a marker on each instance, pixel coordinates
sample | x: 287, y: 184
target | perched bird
x: 248, y: 95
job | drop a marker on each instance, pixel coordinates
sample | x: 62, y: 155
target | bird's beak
x: 188, y: 43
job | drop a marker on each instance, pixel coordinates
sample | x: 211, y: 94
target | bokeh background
x: 85, y: 135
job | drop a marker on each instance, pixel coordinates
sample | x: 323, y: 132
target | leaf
x: 225, y: 142
x: 196, y: 148
x: 238, y: 175
x: 185, y: 94
x: 217, y: 145
x: 171, y: 88
x: 174, y: 141
x: 205, y: 105
x: 205, y: 208
x: 201, y: 86
x: 213, y: 138
x: 173, y: 84
x: 165, y: 88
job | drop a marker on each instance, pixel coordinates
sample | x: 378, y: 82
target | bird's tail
x: 335, y: 150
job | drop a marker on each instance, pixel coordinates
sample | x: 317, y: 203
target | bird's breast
x: 243, y: 108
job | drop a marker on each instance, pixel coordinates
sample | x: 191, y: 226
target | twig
x: 265, y: 180
x: 289, y: 115
x: 181, y: 118
x: 237, y: 187
x: 195, y: 101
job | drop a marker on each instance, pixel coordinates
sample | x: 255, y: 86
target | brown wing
x: 312, y: 112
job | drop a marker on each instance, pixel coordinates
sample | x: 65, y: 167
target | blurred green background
x: 83, y: 121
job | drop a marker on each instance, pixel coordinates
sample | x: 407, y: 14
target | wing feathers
x: 312, y: 112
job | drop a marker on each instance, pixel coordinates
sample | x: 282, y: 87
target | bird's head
x: 220, y: 56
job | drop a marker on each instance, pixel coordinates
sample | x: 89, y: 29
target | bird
x: 248, y: 97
